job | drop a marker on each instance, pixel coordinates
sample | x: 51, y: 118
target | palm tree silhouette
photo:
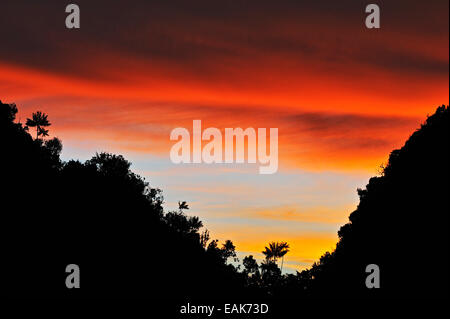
x: 228, y: 250
x: 276, y: 250
x: 269, y: 252
x: 283, y: 249
x: 39, y: 120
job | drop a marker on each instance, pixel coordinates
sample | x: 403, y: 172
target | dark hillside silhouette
x: 109, y: 221
x: 401, y: 224
x: 102, y: 217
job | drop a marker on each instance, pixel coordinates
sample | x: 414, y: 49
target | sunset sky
x: 342, y: 97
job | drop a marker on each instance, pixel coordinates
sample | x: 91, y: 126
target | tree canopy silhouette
x: 104, y: 218
x: 276, y: 250
x: 401, y: 224
x: 39, y: 120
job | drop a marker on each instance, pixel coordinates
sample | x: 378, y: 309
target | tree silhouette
x: 269, y: 252
x: 184, y: 224
x: 250, y: 265
x: 271, y: 275
x: 400, y: 224
x: 276, y: 250
x: 101, y: 216
x: 204, y: 238
x: 228, y: 250
x: 39, y: 120
x: 283, y: 249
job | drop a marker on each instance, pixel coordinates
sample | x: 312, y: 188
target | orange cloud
x: 131, y: 122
